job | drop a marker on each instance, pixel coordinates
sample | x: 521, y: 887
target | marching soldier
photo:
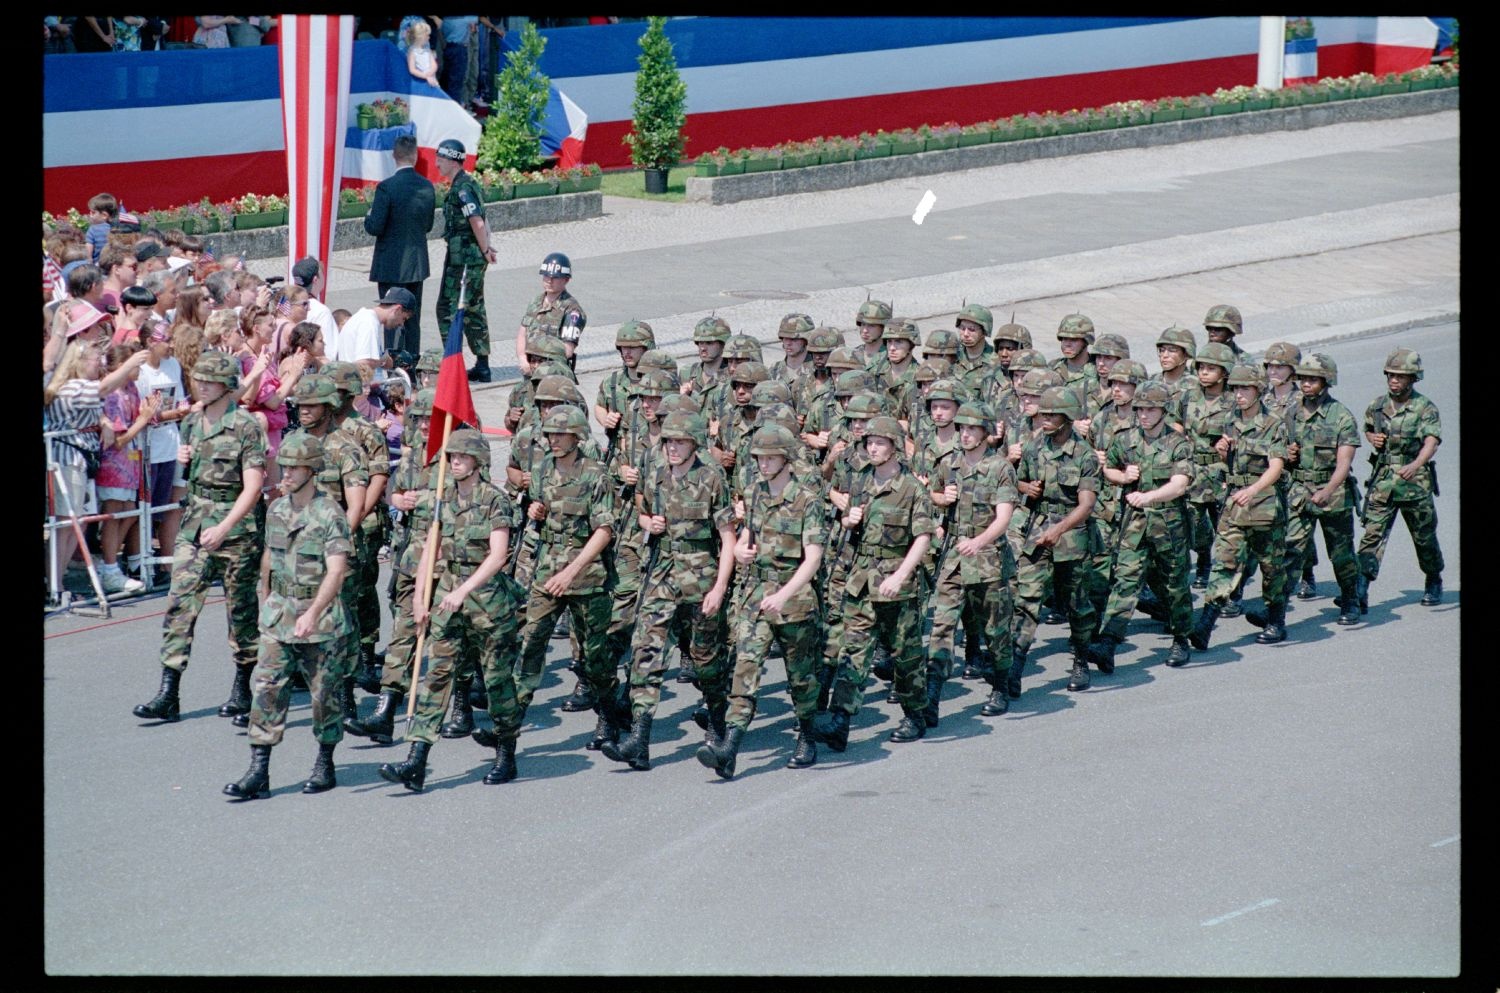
x: 1010, y: 339
x: 871, y: 320
x: 1176, y: 349
x: 701, y: 376
x: 976, y: 362
x: 1074, y: 336
x: 794, y: 333
x: 1404, y: 429
x: 541, y: 350
x: 900, y: 337
x: 1204, y: 412
x: 469, y: 252
x: 1106, y: 350
x: 1284, y: 398
x: 940, y: 351
x: 1253, y: 521
x: 809, y: 390
x: 224, y: 451
x: 632, y: 340
x: 302, y: 618
x: 1123, y: 379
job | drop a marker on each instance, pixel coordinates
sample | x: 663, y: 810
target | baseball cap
x: 176, y: 262
x: 400, y: 297
x: 305, y: 271
x: 148, y: 250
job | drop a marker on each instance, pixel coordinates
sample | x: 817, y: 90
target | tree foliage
x: 512, y: 137
x: 660, y: 107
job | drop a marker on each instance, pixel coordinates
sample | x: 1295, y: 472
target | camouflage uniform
x: 1319, y: 429
x: 1406, y: 426
x: 364, y: 567
x: 464, y: 264
x: 976, y: 374
x: 415, y: 475
x: 562, y: 318
x: 1204, y: 419
x: 1258, y: 530
x: 637, y: 448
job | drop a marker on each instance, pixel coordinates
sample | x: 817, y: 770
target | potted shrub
x: 1258, y: 99
x: 381, y: 111
x: 400, y: 112
x: 977, y: 133
x: 905, y: 141
x: 800, y: 154
x: 1230, y: 101
x: 208, y: 217
x: 592, y: 179
x: 512, y: 132
x: 942, y: 136
x: 364, y: 117
x: 252, y: 211
x: 352, y: 202
x: 660, y: 108
x: 167, y: 219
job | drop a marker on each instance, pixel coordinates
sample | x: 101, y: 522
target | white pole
x: 1272, y: 62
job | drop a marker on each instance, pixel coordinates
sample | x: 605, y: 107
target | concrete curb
x: 1377, y: 326
x: 841, y: 175
x: 507, y: 215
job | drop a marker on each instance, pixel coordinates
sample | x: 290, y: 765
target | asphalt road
x: 1265, y: 811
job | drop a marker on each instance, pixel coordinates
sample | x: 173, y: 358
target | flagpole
x: 429, y: 561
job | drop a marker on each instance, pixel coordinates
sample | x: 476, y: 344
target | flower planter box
x: 1226, y: 108
x: 1445, y: 81
x: 264, y: 219
x: 1009, y: 134
x: 907, y: 147
x: 590, y: 183
x: 174, y: 224
x: 799, y: 161
x: 1072, y: 127
x: 540, y: 189
x: 578, y: 185
x: 938, y: 144
x: 1258, y: 104
x: 1193, y: 113
x: 1103, y: 123
x: 359, y: 209
x: 1342, y: 93
x: 1367, y: 90
x: 494, y: 194
x: 1386, y: 89
x: 1423, y: 84
x: 208, y: 224
x: 762, y: 165
x: 1164, y: 116
x: 879, y: 151
x: 732, y: 168
x: 970, y: 139
x: 836, y: 155
x: 706, y: 169
x: 1310, y: 95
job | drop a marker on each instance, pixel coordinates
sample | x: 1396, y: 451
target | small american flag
x: 52, y: 277
x: 284, y: 307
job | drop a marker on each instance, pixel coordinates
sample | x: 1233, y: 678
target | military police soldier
x: 469, y: 252
x: 555, y: 313
x: 302, y: 618
x: 1405, y: 430
x: 223, y: 452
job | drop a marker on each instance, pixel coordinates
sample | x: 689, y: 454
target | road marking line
x: 923, y: 206
x: 1445, y: 841
x: 1244, y: 910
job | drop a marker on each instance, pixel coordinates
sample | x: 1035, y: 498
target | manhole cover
x: 765, y: 294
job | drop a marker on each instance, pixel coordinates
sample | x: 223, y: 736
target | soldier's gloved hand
x: 537, y: 511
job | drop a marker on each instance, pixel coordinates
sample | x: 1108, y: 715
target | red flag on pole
x: 316, y: 53
x: 453, y: 396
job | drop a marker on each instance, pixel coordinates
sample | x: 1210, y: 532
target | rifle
x: 526, y: 522
x: 937, y: 567
x: 653, y: 547
x: 845, y: 532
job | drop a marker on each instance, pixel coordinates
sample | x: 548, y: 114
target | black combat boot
x: 257, y: 779
x: 367, y: 676
x: 322, y: 771
x: 1101, y: 652
x: 1180, y: 653
x: 1432, y: 595
x: 686, y: 673
x: 582, y: 697
x: 1233, y: 607
x: 1207, y: 617
x: 892, y: 695
x: 934, y: 697
x: 1362, y: 593
x: 634, y: 748
x: 563, y: 628
x: 479, y: 697
x: 347, y: 706
x: 164, y: 706
x: 604, y: 731
x: 413, y: 772
x: 1275, y: 627
x: 460, y: 723
x: 806, y: 752
x: 720, y: 756
x: 1078, y: 678
x: 1258, y: 618
x: 832, y: 729
x: 999, y: 701
x: 1308, y: 588
x: 504, y: 769
x: 380, y: 725
x: 240, y: 720
x: 481, y: 371
x: 1150, y: 604
x: 911, y: 728
x: 1013, y: 676
x: 239, y: 692
x: 1348, y: 606
x: 714, y: 733
x: 972, y: 666
x: 882, y: 665
x: 1205, y: 566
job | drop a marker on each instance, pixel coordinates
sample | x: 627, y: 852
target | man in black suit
x: 399, y: 218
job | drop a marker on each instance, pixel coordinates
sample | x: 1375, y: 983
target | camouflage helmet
x: 691, y: 427
x: 842, y: 358
x: 1318, y: 364
x: 1282, y: 353
x: 769, y: 391
x: 637, y: 333
x: 884, y: 426
x: 947, y: 389
x: 315, y: 389
x: 566, y: 420
x: 901, y: 329
x: 1222, y: 315
x: 824, y: 339
x: 546, y: 346
x: 977, y: 413
x: 742, y: 346
x: 1402, y: 360
x: 655, y: 358
x: 301, y: 448
x: 711, y: 329
x: 1153, y: 394
x: 1038, y: 381
x: 653, y: 383
x: 1027, y: 359
x: 1246, y: 374
x: 1219, y: 354
x: 873, y: 312
x: 421, y: 404
x: 795, y: 326
x: 677, y: 403
x: 749, y: 372
x: 863, y: 406
x: 977, y: 314
x: 1181, y: 337
x: 470, y: 443
x: 1110, y: 344
x: 542, y: 370
x: 1076, y: 326
x: 925, y: 373
x: 852, y: 381
x: 345, y: 377
x: 1127, y: 371
x: 1017, y: 333
x: 773, y: 439
x: 558, y: 389
x: 217, y: 367
x: 777, y: 413
x: 941, y: 342
x: 1060, y: 400
x: 430, y: 360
